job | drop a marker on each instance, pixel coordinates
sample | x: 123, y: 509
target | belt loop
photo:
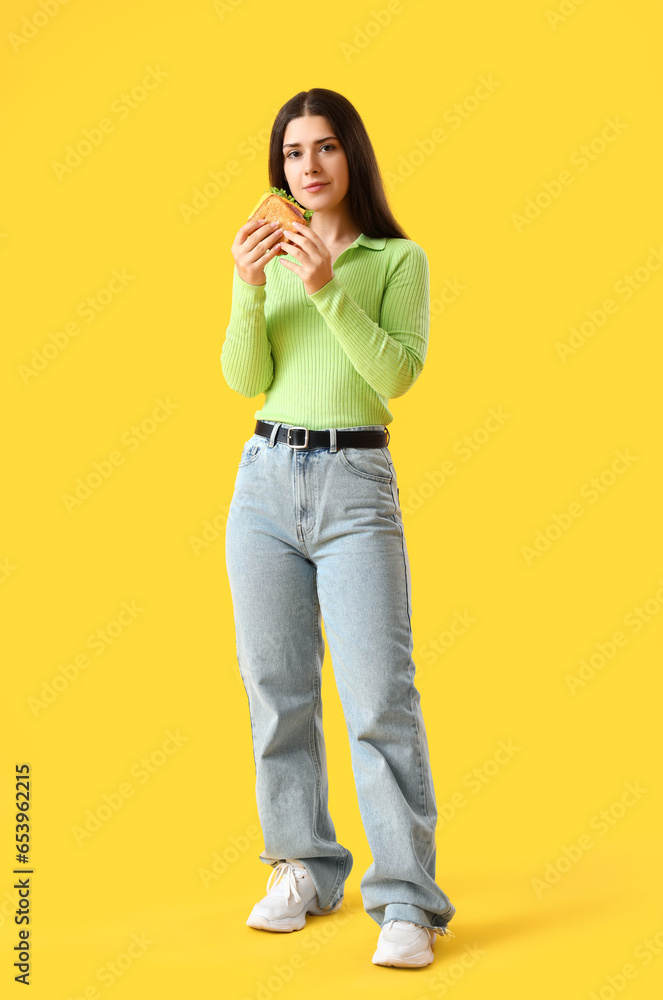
x: 275, y: 430
x: 332, y: 440
x: 389, y: 436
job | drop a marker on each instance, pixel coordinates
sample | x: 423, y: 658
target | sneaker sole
x: 285, y: 925
x: 412, y: 962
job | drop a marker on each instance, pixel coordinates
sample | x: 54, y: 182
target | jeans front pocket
x: 367, y: 463
x: 252, y: 449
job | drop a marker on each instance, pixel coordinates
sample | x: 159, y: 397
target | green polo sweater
x: 334, y: 358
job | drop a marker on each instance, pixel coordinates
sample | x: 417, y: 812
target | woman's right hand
x: 251, y: 242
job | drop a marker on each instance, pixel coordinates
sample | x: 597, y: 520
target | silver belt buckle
x: 297, y: 446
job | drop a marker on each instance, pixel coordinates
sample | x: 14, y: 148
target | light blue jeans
x: 317, y: 535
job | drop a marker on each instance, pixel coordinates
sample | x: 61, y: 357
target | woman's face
x: 311, y: 152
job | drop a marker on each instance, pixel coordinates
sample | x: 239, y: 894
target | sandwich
x: 277, y: 206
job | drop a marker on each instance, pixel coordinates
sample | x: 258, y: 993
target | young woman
x: 330, y: 333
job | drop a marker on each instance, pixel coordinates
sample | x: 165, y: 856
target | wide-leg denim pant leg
x: 280, y: 651
x: 319, y: 532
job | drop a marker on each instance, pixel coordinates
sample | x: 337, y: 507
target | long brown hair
x: 367, y: 200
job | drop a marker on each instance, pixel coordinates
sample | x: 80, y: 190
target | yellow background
x: 224, y: 72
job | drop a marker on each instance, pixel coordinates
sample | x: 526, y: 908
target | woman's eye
x: 327, y: 145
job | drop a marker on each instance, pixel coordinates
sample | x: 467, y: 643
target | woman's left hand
x: 315, y: 263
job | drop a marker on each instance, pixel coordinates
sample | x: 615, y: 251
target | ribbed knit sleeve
x: 389, y: 355
x: 246, y: 356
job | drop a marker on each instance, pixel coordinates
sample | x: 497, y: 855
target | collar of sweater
x: 374, y: 242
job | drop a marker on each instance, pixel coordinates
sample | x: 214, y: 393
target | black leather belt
x: 302, y: 437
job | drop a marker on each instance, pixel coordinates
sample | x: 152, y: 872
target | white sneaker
x: 290, y: 896
x: 406, y: 944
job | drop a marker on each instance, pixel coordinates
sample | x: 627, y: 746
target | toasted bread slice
x: 274, y: 208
